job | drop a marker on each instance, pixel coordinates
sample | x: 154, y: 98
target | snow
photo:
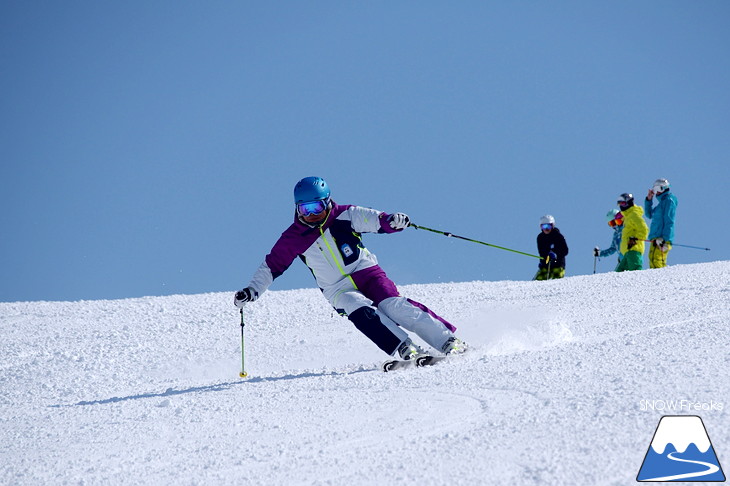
x: 146, y: 391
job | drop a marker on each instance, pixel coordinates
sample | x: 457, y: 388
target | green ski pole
x: 243, y: 373
x: 451, y: 235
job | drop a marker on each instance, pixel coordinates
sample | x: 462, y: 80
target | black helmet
x: 625, y: 200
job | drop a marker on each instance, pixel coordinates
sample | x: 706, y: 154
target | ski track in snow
x: 146, y: 391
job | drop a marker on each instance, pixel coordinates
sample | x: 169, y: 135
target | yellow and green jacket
x: 634, y: 227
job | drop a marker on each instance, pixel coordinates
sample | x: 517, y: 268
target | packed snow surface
x: 556, y: 389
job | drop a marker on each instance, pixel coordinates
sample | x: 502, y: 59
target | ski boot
x: 454, y: 346
x: 408, y: 351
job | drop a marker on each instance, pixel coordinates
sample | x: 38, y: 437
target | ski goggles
x: 617, y: 220
x: 546, y: 226
x: 313, y: 207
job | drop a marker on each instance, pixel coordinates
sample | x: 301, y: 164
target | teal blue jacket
x: 662, y: 216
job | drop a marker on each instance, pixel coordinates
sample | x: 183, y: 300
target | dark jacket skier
x: 553, y: 249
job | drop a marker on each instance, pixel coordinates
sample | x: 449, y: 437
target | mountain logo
x: 681, y: 451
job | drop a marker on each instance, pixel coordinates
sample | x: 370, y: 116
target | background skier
x: 662, y: 222
x: 552, y: 247
x: 634, y: 233
x: 327, y: 238
x: 615, y: 220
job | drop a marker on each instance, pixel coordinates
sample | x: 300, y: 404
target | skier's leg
x: 383, y: 332
x: 667, y: 248
x: 634, y: 260
x: 411, y: 316
x: 542, y: 274
x: 368, y: 322
x: 653, y: 260
x: 658, y: 257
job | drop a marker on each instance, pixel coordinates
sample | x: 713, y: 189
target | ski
x: 396, y: 364
x: 420, y: 361
x: 428, y: 360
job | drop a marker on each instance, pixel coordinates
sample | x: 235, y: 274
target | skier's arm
x: 262, y: 279
x: 615, y: 244
x: 366, y: 220
x: 562, y: 246
x: 648, y: 208
x: 668, y: 230
x: 285, y: 250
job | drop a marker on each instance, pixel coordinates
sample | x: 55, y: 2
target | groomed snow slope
x: 146, y: 391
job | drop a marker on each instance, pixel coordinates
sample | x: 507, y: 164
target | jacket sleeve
x: 561, y: 247
x: 285, y: 250
x: 367, y: 220
x: 262, y: 279
x: 615, y: 244
x: 648, y: 208
x: 671, y: 213
x: 543, y: 247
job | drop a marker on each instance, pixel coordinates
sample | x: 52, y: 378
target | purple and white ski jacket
x: 333, y: 251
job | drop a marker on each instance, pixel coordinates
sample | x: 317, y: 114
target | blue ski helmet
x: 311, y: 189
x: 611, y: 215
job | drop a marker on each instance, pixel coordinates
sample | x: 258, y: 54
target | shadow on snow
x: 170, y: 392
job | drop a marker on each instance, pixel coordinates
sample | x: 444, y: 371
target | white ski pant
x: 394, y: 313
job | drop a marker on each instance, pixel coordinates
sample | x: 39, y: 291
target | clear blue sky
x: 151, y: 148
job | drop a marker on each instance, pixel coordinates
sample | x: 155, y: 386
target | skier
x: 326, y: 236
x: 662, y: 222
x: 552, y: 248
x: 615, y: 221
x: 634, y: 234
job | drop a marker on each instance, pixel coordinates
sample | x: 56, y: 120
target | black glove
x: 596, y: 251
x: 246, y: 295
x: 632, y: 242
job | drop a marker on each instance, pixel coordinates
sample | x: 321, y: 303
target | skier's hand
x: 246, y: 295
x: 399, y: 221
x: 650, y: 196
x: 661, y: 243
x: 596, y: 251
x: 552, y: 256
x: 632, y: 242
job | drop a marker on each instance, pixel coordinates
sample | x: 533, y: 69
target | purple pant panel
x: 449, y: 326
x: 376, y: 286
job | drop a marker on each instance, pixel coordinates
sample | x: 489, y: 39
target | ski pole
x: 451, y: 235
x: 595, y: 259
x: 243, y: 373
x: 685, y: 246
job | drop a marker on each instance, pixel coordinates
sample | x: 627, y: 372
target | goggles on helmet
x: 618, y: 220
x: 313, y: 207
x: 546, y: 226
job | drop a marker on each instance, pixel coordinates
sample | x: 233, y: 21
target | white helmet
x: 660, y: 185
x: 547, y: 219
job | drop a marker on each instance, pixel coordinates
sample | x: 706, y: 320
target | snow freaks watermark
x: 681, y: 450
x: 680, y: 406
